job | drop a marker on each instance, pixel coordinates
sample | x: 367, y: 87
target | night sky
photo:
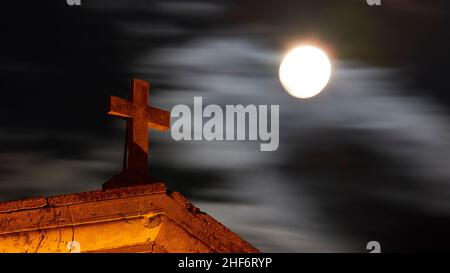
x: 368, y: 159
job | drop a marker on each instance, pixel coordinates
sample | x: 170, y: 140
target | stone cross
x: 140, y: 117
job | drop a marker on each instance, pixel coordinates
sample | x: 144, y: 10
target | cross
x: 139, y: 118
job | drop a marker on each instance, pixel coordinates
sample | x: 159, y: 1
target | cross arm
x: 120, y: 107
x: 157, y: 119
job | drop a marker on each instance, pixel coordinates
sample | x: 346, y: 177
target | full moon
x: 305, y: 71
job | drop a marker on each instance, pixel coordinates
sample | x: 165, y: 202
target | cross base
x: 128, y: 178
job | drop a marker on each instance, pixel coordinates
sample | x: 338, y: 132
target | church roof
x: 141, y: 218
